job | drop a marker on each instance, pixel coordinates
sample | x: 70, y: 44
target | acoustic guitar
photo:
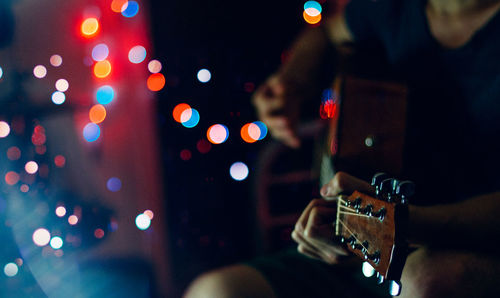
x: 366, y: 135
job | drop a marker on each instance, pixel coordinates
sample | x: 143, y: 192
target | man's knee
x: 437, y: 273
x: 233, y: 281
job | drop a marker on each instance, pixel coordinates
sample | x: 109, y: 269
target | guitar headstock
x: 374, y: 227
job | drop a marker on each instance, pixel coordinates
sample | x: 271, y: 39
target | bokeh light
x: 217, y: 134
x: 91, y: 132
x: 150, y: 214
x: 137, y: 54
x: 56, y: 242
x: 1, y: 72
x: 100, y: 52
x: 312, y: 12
x: 131, y: 10
x: 97, y: 113
x: 58, y: 97
x: 142, y: 221
x: 13, y: 153
x: 114, y: 184
x: 10, y: 269
x: 186, y: 154
x: 313, y: 5
x: 245, y: 133
x: 24, y: 188
x: 238, y: 171
x: 178, y: 110
x: 62, y: 85
x: 204, y: 75
x: 119, y: 5
x: 31, y: 167
x: 105, y: 94
x: 311, y: 19
x: 41, y: 237
x: 156, y: 82
x: 73, y: 220
x: 59, y: 161
x: 11, y: 178
x: 89, y: 27
x: 102, y: 69
x: 154, y: 66
x: 40, y: 71
x: 56, y: 60
x: 193, y: 120
x: 203, y: 146
x: 262, y: 129
x: 99, y: 233
x: 60, y: 211
x: 4, y: 129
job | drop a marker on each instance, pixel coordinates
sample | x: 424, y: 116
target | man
x: 447, y: 53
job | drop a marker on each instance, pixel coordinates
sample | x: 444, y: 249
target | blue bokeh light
x: 263, y: 129
x: 114, y: 184
x: 193, y: 121
x: 91, y: 132
x: 131, y: 10
x: 100, y: 52
x: 105, y: 94
x: 313, y: 4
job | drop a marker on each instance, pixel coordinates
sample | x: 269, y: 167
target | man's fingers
x: 345, y: 183
x: 304, y: 217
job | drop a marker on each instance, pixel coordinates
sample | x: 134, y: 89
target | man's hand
x: 314, y: 231
x: 278, y: 108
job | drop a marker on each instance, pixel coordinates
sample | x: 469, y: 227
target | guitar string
x: 355, y: 214
x: 352, y: 234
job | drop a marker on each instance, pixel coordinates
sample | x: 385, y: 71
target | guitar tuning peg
x: 395, y: 287
x: 367, y: 269
x: 405, y: 190
x: 380, y: 278
x: 388, y: 188
x: 377, y: 179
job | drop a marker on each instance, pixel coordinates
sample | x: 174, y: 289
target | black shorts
x: 294, y: 275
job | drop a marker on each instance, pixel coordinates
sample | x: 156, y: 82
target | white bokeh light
x: 10, y: 269
x: 41, y: 237
x: 40, y: 71
x: 4, y: 129
x: 142, y: 221
x: 238, y: 171
x: 204, y: 75
x: 56, y: 242
x: 62, y: 85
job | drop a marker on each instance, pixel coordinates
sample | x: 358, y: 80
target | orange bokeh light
x: 156, y: 82
x: 178, y: 111
x: 117, y: 5
x: 102, y: 69
x: 97, y: 114
x: 89, y: 27
x: 245, y: 135
x: 311, y: 19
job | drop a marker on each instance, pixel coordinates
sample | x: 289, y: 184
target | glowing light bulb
x: 238, y: 171
x: 58, y: 97
x: 154, y: 66
x: 73, y: 220
x: 142, y: 221
x: 41, y: 237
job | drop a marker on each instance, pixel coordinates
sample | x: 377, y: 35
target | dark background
x: 210, y: 216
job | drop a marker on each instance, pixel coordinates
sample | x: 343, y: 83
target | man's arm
x: 300, y: 78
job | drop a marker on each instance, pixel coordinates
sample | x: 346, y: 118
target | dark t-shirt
x: 452, y: 146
